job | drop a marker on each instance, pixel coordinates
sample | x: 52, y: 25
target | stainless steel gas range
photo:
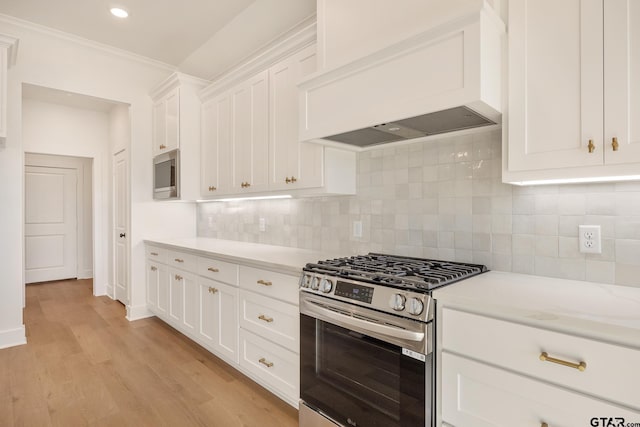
x: 366, y: 340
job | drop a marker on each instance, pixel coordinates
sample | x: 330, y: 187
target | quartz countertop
x: 608, y: 313
x: 280, y: 258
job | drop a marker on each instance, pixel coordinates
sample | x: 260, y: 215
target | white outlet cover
x: 357, y: 228
x: 589, y: 238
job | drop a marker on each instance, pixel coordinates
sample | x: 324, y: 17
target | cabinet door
x: 250, y: 134
x: 163, y: 291
x: 622, y: 81
x: 172, y: 111
x: 191, y: 308
x: 219, y: 317
x: 216, y: 146
x: 176, y: 296
x: 479, y: 395
x: 555, y: 84
x: 153, y: 275
x: 159, y: 127
x: 293, y: 164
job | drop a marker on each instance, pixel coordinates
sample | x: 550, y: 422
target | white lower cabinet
x: 251, y: 320
x: 475, y: 394
x: 276, y: 368
x: 496, y: 372
x: 219, y: 317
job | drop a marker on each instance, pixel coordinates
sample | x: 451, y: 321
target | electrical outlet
x: 262, y: 224
x: 357, y: 228
x: 589, y: 239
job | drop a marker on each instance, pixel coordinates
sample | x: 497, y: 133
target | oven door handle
x: 320, y: 312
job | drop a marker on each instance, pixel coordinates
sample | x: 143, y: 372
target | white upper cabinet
x: 216, y: 146
x: 574, y: 76
x: 8, y: 50
x: 176, y: 125
x: 250, y: 134
x: 293, y: 164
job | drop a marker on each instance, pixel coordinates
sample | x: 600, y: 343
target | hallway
x: 85, y: 364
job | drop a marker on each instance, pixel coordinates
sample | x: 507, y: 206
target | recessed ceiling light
x: 120, y: 13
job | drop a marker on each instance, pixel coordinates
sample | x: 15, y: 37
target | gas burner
x: 397, y: 271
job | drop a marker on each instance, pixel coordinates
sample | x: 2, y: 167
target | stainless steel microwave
x: 166, y: 175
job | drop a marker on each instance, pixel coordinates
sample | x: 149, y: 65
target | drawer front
x: 479, y: 395
x: 611, y: 371
x: 156, y: 254
x: 182, y: 260
x: 218, y: 270
x: 272, y: 284
x: 275, y: 367
x: 274, y: 320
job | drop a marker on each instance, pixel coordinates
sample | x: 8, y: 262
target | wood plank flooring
x: 86, y: 365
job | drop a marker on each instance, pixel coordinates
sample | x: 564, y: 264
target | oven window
x: 359, y: 380
x: 165, y: 174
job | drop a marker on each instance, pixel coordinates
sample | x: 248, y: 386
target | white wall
x: 65, y: 131
x: 51, y: 59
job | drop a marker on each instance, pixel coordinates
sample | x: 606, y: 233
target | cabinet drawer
x: 218, y: 270
x: 265, y: 282
x: 274, y: 320
x: 156, y: 254
x: 182, y: 260
x: 275, y: 367
x: 611, y: 371
x: 479, y: 395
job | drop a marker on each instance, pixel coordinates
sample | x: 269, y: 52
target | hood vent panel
x: 450, y: 120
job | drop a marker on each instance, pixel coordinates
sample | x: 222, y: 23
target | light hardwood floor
x: 85, y: 364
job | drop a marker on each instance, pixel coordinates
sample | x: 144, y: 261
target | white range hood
x: 443, y: 79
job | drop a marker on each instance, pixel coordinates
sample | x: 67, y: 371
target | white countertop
x: 606, y: 312
x: 281, y: 258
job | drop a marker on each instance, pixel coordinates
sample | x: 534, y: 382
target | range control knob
x: 397, y: 301
x: 326, y: 285
x: 314, y: 283
x: 303, y: 283
x: 415, y: 306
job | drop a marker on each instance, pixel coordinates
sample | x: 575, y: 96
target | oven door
x: 360, y: 367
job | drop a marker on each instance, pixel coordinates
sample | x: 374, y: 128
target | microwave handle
x: 316, y: 310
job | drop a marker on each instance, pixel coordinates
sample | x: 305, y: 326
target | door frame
x: 84, y: 168
x: 112, y: 239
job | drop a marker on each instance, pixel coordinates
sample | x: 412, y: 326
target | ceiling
x: 164, y: 30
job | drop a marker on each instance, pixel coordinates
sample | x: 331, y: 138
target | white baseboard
x: 13, y: 337
x: 110, y: 291
x: 85, y: 274
x: 138, y: 312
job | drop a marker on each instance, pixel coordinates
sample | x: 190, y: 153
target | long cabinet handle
x: 265, y: 318
x: 544, y: 356
x: 264, y: 282
x: 213, y: 270
x: 178, y: 260
x: 178, y: 277
x: 591, y: 146
x: 154, y: 253
x: 265, y: 363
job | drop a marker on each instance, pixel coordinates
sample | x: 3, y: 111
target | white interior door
x: 121, y: 227
x: 50, y: 224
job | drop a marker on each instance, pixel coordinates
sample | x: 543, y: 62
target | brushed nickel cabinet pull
x: 293, y: 179
x: 154, y: 268
x: 178, y: 277
x: 162, y: 146
x: 264, y: 282
x: 154, y: 253
x: 265, y: 363
x: 591, y: 146
x: 212, y: 188
x: 245, y: 185
x: 614, y: 144
x: 290, y: 180
x: 212, y: 290
x: 178, y: 260
x: 265, y: 318
x: 544, y: 356
x: 213, y: 270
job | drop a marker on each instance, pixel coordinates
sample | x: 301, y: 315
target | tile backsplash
x: 444, y: 199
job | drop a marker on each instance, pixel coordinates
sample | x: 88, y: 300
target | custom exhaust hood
x: 444, y: 79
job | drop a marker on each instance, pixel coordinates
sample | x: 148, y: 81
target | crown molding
x: 41, y: 29
x: 11, y: 44
x: 174, y: 80
x: 301, y: 35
